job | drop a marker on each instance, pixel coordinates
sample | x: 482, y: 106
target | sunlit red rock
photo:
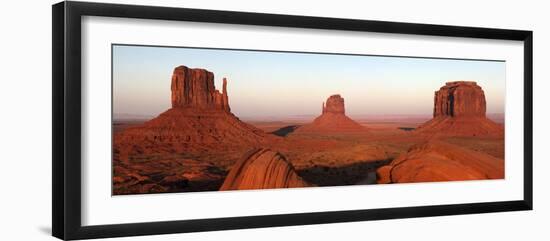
x: 459, y: 99
x: 335, y: 104
x: 262, y: 169
x: 200, y: 114
x: 195, y: 88
x: 439, y: 161
x: 199, y: 125
x: 459, y: 110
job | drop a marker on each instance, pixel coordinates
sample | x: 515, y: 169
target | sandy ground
x: 328, y: 159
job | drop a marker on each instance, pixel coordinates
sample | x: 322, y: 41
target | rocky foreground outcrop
x: 459, y: 110
x: 262, y: 169
x: 332, y: 119
x: 439, y: 161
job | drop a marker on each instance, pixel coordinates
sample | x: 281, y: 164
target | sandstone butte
x: 262, y: 169
x: 194, y: 88
x: 200, y: 114
x: 333, y: 118
x: 459, y: 110
x: 439, y: 161
x: 200, y: 122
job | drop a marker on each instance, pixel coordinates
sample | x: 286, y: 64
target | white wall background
x: 25, y: 119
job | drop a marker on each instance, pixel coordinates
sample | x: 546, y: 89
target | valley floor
x: 322, y: 159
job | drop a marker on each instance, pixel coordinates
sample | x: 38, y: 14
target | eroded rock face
x: 439, y: 161
x: 195, y: 88
x: 459, y: 99
x: 262, y: 169
x: 332, y: 119
x: 459, y: 110
x: 334, y: 104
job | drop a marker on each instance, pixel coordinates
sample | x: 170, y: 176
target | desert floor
x: 323, y: 159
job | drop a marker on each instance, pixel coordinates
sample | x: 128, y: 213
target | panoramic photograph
x: 198, y: 119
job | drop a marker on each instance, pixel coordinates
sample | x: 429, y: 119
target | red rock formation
x: 262, y: 169
x: 148, y: 157
x: 335, y: 104
x: 195, y: 88
x: 440, y: 161
x: 200, y: 114
x: 459, y: 110
x: 459, y: 99
x: 199, y: 122
x: 332, y: 119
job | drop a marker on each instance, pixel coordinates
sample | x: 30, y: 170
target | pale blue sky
x: 274, y: 84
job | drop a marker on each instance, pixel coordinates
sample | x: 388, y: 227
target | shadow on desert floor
x: 352, y: 174
x: 285, y: 130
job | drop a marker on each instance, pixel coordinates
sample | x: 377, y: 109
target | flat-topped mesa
x: 334, y: 104
x: 459, y: 110
x: 195, y: 88
x: 459, y: 99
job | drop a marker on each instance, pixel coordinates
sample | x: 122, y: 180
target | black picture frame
x: 66, y: 127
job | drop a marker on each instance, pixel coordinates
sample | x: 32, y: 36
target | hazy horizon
x: 277, y: 84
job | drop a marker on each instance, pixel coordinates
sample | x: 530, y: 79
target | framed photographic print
x: 170, y: 120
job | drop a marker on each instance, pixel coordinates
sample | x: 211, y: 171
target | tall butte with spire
x: 188, y: 146
x: 194, y: 88
x: 200, y: 115
x: 333, y: 118
x: 459, y: 110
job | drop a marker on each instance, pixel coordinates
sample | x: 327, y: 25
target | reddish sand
x: 324, y: 159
